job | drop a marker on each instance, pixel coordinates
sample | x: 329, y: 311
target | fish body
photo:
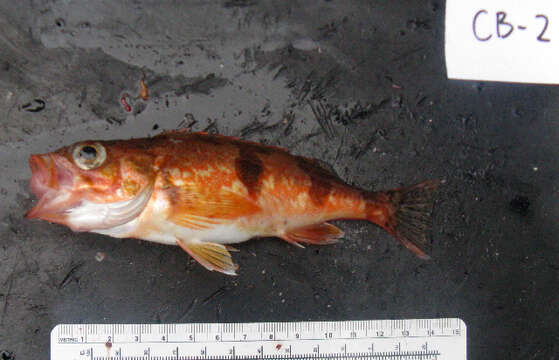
x: 202, y: 191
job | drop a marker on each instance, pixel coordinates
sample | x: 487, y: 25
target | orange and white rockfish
x: 202, y: 191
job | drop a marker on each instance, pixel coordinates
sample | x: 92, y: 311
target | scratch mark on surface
x: 341, y: 144
x: 6, y: 296
x: 215, y: 294
x: 303, y: 139
x: 323, y: 116
x: 359, y: 153
x: 188, y: 309
x: 69, y: 275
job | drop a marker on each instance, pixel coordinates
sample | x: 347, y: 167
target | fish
x: 205, y: 192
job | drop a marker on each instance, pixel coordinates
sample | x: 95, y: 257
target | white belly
x: 221, y: 234
x: 168, y: 232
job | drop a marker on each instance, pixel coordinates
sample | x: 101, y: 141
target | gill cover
x: 90, y: 216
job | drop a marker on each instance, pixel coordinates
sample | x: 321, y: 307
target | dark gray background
x: 385, y: 115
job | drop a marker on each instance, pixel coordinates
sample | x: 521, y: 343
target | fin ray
x: 317, y: 234
x: 212, y: 256
x: 409, y: 214
x: 198, y: 209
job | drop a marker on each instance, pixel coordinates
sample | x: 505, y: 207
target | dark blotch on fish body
x: 249, y: 168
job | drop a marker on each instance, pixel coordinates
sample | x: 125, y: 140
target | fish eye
x: 89, y: 156
x: 88, y: 152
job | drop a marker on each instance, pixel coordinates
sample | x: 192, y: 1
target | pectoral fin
x: 198, y: 209
x: 317, y: 234
x: 213, y: 257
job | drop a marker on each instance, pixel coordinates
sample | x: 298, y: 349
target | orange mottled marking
x: 277, y: 183
x: 280, y: 184
x: 199, y: 208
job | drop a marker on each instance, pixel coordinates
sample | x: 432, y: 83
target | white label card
x: 503, y: 40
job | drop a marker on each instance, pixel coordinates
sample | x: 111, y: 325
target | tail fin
x: 405, y: 213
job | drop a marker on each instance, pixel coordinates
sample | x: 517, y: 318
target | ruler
x: 419, y: 339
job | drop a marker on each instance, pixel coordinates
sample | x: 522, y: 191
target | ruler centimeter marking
x: 421, y: 339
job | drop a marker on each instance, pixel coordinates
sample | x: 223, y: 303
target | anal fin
x: 316, y: 234
x: 214, y: 257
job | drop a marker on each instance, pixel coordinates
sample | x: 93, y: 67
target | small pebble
x: 99, y: 256
x: 305, y: 44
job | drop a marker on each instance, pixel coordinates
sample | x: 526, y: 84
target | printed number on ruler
x: 399, y: 339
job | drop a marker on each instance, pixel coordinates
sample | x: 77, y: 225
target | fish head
x: 91, y: 185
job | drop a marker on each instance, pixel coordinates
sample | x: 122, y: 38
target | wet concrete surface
x: 359, y: 85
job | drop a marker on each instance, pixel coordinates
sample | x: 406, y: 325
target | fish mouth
x: 54, y: 183
x: 50, y: 183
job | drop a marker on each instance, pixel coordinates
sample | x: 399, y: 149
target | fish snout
x: 49, y: 182
x: 42, y: 174
x: 48, y: 172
